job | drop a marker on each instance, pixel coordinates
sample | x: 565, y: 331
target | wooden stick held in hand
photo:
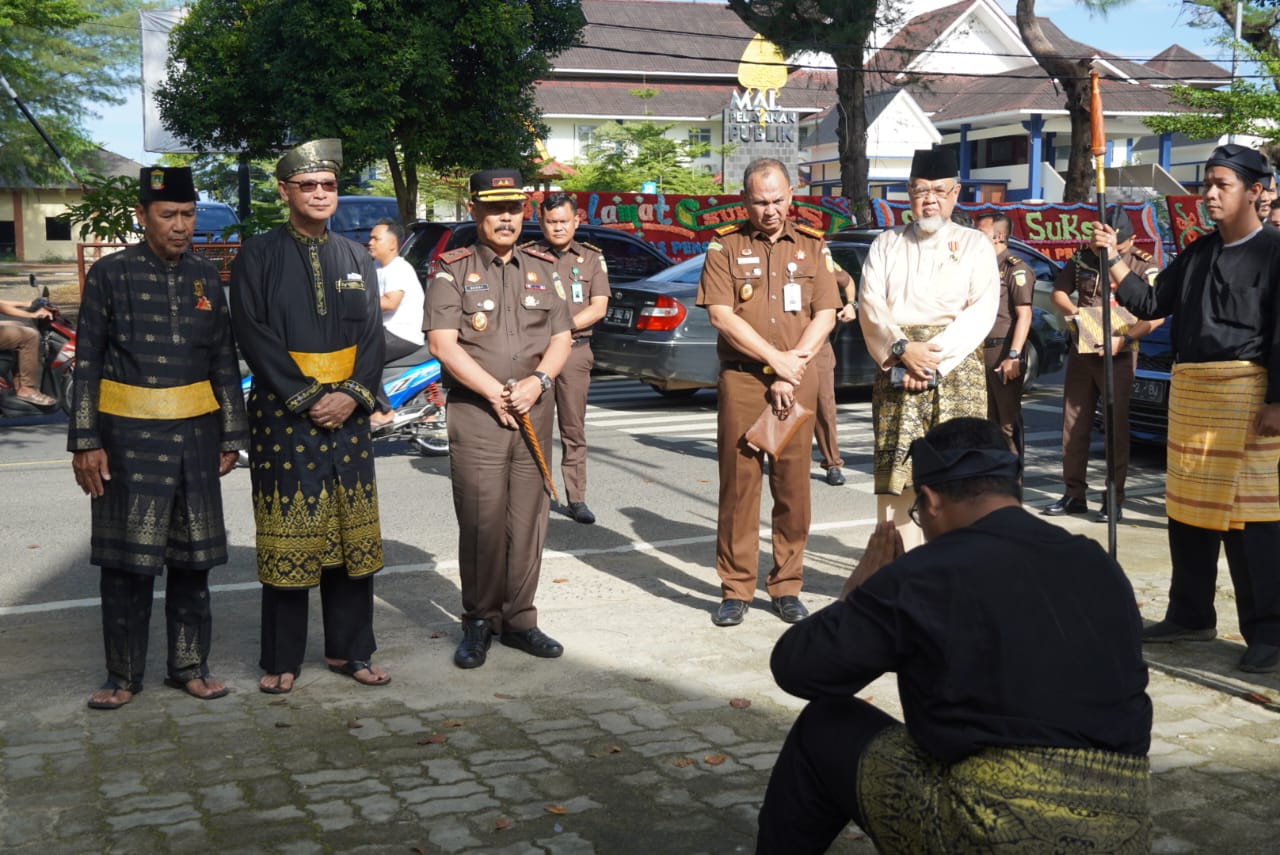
x: 526, y: 428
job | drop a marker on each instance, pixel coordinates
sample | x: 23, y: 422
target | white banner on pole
x: 156, y: 26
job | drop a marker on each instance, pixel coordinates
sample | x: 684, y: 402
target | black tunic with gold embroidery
x: 158, y: 388
x: 306, y: 314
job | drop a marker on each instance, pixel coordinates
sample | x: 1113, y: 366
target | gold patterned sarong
x: 1221, y: 474
x: 1003, y: 801
x: 901, y: 417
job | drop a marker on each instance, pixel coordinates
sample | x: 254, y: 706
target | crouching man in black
x: 1018, y: 653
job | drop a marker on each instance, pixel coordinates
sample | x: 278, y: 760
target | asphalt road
x: 652, y: 478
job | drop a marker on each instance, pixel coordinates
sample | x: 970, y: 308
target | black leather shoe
x: 581, y: 513
x: 1102, y: 514
x: 1260, y: 659
x: 834, y: 476
x: 534, y: 641
x: 1066, y: 505
x: 474, y: 647
x: 730, y: 613
x: 790, y: 609
x: 1166, y: 631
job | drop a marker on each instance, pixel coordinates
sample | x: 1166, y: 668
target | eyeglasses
x: 914, y: 510
x: 923, y: 191
x: 310, y: 186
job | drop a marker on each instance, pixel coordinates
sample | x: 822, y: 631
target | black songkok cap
x: 497, y: 185
x: 1249, y: 164
x: 166, y: 184
x: 934, y: 163
x: 930, y: 466
x: 1118, y: 219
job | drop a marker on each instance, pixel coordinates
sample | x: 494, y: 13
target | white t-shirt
x: 405, y: 321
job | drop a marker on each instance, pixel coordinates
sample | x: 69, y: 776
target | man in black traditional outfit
x: 306, y: 313
x: 1019, y: 664
x: 1224, y: 409
x: 156, y: 419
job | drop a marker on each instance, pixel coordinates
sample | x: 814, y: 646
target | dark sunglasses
x: 310, y: 186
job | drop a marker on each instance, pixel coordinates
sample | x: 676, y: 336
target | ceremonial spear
x: 1099, y: 149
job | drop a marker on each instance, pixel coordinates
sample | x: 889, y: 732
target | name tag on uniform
x: 750, y: 259
x: 791, y: 297
x: 480, y: 287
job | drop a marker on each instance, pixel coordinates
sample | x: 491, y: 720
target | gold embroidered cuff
x: 142, y: 402
x: 327, y: 367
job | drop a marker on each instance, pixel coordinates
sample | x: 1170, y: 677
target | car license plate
x: 618, y: 316
x: 1150, y: 391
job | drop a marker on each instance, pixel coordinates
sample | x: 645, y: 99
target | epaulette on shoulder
x: 455, y: 254
x: 728, y: 228
x: 540, y: 254
x: 806, y: 229
x: 590, y: 246
x: 1143, y: 256
x: 527, y: 243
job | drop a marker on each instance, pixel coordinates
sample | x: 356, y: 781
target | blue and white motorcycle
x: 412, y: 385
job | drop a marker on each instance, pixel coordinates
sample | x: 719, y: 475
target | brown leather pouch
x: 771, y: 432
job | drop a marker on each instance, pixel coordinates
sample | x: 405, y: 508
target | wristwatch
x: 544, y: 379
x: 898, y: 348
x: 1014, y: 354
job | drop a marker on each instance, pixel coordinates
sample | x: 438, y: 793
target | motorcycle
x: 412, y: 385
x: 57, y: 362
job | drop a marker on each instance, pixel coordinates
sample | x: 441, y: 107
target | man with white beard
x: 929, y: 295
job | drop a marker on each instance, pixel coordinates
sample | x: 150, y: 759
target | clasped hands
x: 921, y: 360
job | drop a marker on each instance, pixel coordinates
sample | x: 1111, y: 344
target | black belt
x: 750, y: 367
x: 995, y: 342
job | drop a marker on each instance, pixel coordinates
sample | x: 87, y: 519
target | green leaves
x: 106, y: 210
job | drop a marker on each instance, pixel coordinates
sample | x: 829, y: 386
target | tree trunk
x: 404, y: 201
x: 1079, y: 178
x: 1072, y: 76
x: 851, y: 133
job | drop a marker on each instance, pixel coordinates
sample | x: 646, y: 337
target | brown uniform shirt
x: 743, y: 270
x: 1017, y: 286
x: 505, y: 314
x: 583, y: 274
x: 1079, y: 276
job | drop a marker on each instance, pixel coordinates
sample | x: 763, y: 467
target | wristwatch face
x: 899, y: 348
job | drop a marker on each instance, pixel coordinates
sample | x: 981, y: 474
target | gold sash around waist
x: 327, y: 367
x: 144, y: 402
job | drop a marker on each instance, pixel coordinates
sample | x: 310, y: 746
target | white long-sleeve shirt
x: 948, y: 278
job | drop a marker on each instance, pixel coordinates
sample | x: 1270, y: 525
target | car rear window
x: 215, y: 219
x: 362, y: 214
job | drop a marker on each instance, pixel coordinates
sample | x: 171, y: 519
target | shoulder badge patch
x: 456, y: 254
x: 538, y: 254
x: 714, y: 246
x: 1019, y: 277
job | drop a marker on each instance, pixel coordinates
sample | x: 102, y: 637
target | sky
x: 1137, y: 30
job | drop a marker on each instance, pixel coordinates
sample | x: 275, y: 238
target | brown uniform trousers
x: 571, y: 390
x: 1004, y: 400
x: 824, y: 365
x: 1081, y: 389
x: 496, y: 482
x: 743, y: 396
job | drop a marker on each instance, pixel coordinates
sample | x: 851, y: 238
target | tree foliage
x: 59, y: 56
x: 620, y: 158
x: 106, y: 210
x: 841, y: 28
x: 437, y: 85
